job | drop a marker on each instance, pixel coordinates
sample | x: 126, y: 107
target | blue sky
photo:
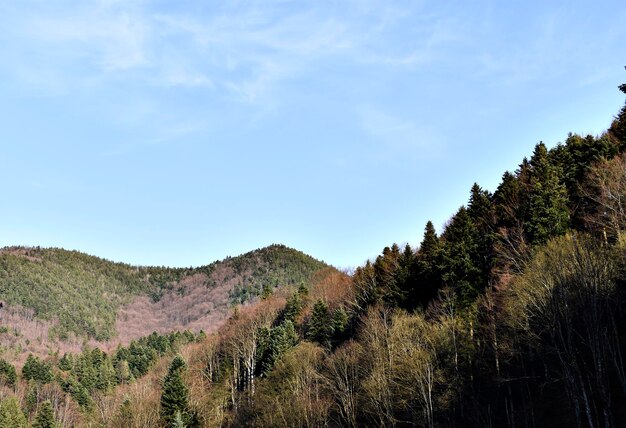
x: 177, y: 133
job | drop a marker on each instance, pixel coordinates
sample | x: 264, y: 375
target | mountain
x: 71, y: 296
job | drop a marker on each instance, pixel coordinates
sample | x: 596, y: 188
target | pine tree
x: 178, y: 421
x: 45, y: 416
x: 340, y: 323
x: 548, y: 214
x: 386, y: 267
x: 481, y: 211
x: 8, y: 375
x: 175, y: 393
x: 66, y: 362
x: 427, y: 276
x: 405, y: 277
x: 293, y: 307
x: 11, y: 416
x: 320, y: 329
x: 37, y: 370
x: 461, y: 257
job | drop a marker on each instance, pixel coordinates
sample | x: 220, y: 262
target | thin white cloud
x: 398, y: 135
x: 245, y: 50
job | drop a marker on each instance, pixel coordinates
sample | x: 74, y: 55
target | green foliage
x: 174, y: 398
x: 293, y: 307
x: 11, y: 415
x: 85, y: 293
x: 8, y: 376
x: 37, y: 370
x: 45, y: 416
x: 66, y: 362
x: 548, y: 213
x: 265, y: 269
x: 461, y: 256
x: 272, y: 345
x: 427, y: 276
x: 321, y: 326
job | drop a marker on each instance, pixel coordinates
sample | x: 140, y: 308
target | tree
x: 37, y: 370
x: 175, y: 394
x: 320, y: 328
x: 461, y: 257
x: 8, y: 376
x: 45, y: 416
x: 427, y: 276
x: 548, y: 214
x: 11, y: 415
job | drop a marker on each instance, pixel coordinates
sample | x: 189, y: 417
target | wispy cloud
x: 398, y: 135
x: 243, y: 49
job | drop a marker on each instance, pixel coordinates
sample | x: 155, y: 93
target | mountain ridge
x: 74, y: 295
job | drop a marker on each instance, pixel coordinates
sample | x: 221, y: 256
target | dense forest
x: 512, y: 316
x: 82, y: 295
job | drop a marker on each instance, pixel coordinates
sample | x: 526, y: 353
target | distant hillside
x: 85, y: 296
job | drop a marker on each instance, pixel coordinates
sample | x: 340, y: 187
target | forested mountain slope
x: 512, y: 316
x: 85, y: 296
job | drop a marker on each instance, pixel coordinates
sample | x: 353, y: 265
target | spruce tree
x: 45, y: 416
x: 11, y: 416
x: 427, y: 275
x: 8, y: 375
x: 548, y: 213
x: 320, y: 328
x: 175, y: 394
x: 461, y: 257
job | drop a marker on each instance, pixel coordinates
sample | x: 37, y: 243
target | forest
x: 512, y: 315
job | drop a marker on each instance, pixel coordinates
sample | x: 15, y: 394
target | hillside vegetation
x: 83, y: 294
x: 512, y: 316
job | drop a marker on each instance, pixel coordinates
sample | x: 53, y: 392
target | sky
x: 178, y: 133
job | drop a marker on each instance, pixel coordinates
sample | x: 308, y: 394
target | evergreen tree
x: 37, y: 370
x: 427, y: 276
x: 66, y: 362
x: 386, y: 268
x: 548, y: 213
x: 293, y: 307
x: 461, y: 257
x: 11, y: 416
x: 405, y: 276
x: 320, y: 328
x: 175, y: 394
x: 45, y: 416
x: 8, y: 375
x: 481, y: 211
x: 178, y: 420
x: 340, y: 323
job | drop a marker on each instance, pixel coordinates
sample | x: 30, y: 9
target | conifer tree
x: 11, y: 416
x: 178, y: 421
x: 461, y: 257
x: 548, y: 214
x: 66, y: 362
x: 37, y: 370
x: 45, y: 416
x: 8, y: 375
x: 340, y: 322
x: 320, y: 329
x: 175, y: 393
x: 427, y: 276
x: 405, y: 277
